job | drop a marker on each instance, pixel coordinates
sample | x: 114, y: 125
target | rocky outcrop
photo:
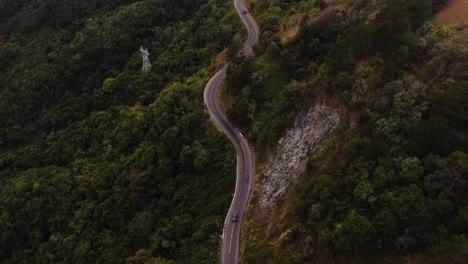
x: 307, y: 137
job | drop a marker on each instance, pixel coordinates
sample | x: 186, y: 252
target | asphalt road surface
x: 232, y: 229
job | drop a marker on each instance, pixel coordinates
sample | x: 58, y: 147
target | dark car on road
x: 234, y: 218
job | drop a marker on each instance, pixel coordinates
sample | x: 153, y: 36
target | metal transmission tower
x: 146, y: 61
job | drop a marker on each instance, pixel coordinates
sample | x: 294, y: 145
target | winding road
x: 245, y: 164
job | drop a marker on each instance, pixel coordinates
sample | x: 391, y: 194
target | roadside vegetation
x: 99, y: 161
x: 392, y: 183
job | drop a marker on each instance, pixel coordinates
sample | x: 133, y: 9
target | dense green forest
x: 392, y: 185
x: 99, y: 161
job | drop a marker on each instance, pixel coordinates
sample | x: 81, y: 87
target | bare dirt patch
x: 453, y: 14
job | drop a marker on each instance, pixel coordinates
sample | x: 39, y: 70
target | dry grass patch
x: 454, y: 14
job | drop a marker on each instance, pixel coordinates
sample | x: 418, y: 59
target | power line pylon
x: 146, y: 61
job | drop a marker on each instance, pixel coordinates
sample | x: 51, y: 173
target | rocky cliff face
x: 307, y: 137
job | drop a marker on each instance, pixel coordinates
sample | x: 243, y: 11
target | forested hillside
x: 99, y: 161
x: 391, y: 184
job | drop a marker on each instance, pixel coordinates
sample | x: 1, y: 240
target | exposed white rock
x: 307, y: 137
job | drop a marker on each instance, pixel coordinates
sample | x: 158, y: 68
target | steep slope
x: 388, y: 182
